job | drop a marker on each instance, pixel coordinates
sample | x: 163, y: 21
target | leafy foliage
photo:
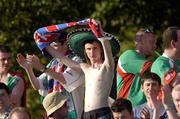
x: 20, y: 18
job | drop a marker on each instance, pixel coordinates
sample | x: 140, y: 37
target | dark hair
x: 5, y: 87
x: 121, y: 104
x: 4, y: 48
x: 64, y: 105
x: 20, y: 110
x: 170, y: 34
x: 150, y: 76
x: 62, y: 37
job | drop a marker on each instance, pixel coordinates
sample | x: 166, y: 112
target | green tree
x: 20, y: 18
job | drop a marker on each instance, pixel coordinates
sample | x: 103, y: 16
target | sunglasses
x: 148, y: 31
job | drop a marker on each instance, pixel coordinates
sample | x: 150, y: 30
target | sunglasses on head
x: 148, y: 31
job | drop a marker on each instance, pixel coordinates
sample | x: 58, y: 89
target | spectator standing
x: 12, y: 79
x: 55, y: 36
x: 167, y: 66
x: 99, y: 61
x: 132, y: 64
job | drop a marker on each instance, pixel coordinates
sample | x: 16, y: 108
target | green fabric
x: 177, y: 63
x: 162, y: 65
x: 132, y: 61
x: 119, y: 83
x: 41, y: 99
x: 71, y: 115
x: 12, y: 81
x: 135, y: 95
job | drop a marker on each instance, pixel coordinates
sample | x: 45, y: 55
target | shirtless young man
x: 98, y: 69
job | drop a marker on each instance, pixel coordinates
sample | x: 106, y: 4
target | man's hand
x: 166, y: 97
x: 22, y: 61
x: 155, y: 102
x: 96, y: 28
x: 35, y: 62
x: 145, y: 114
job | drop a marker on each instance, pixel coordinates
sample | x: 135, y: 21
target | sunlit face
x: 150, y: 87
x: 20, y: 115
x: 123, y: 115
x: 176, y: 99
x: 4, y: 99
x: 4, y: 62
x: 149, y: 43
x: 93, y: 51
x: 58, y: 46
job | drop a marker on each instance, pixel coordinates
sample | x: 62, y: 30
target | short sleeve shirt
x: 130, y: 64
x: 162, y: 65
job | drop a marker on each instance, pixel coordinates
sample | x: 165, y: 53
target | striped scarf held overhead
x: 45, y: 35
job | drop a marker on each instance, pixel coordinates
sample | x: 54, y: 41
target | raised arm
x: 109, y: 61
x: 62, y: 58
x: 166, y: 99
x: 32, y: 78
x: 156, y: 104
x: 35, y: 62
x: 176, y: 80
x: 97, y: 30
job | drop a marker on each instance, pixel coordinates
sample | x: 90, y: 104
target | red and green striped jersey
x: 129, y: 68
